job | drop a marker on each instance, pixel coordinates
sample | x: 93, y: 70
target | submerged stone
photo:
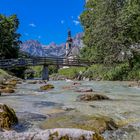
x: 92, y: 97
x: 85, y: 90
x: 13, y: 82
x: 47, y: 87
x: 98, y: 124
x: 7, y: 117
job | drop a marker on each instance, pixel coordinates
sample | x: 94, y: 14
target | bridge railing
x: 20, y: 62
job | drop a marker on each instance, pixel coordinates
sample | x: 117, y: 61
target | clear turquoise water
x: 33, y: 106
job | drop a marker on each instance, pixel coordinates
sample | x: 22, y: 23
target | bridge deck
x: 22, y: 62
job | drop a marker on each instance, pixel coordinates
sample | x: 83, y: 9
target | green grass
x: 71, y: 72
x: 102, y: 72
x: 38, y: 71
x: 3, y: 73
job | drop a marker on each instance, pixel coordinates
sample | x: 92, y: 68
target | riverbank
x: 120, y: 72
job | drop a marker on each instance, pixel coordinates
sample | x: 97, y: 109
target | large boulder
x: 97, y: 124
x: 7, y: 117
x: 32, y: 82
x: 92, y: 97
x: 47, y: 87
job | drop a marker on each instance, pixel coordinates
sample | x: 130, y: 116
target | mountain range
x: 35, y: 48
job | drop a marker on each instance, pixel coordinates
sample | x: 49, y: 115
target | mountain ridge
x: 35, y: 48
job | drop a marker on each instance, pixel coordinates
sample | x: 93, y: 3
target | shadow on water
x: 47, y: 104
x: 26, y: 120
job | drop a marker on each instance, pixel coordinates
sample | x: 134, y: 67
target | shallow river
x: 34, y: 107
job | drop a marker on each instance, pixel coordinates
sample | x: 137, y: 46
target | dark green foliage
x: 19, y: 72
x: 9, y: 39
x: 111, y: 27
x: 53, y: 69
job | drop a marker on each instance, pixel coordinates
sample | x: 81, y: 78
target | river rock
x: 76, y: 84
x: 7, y: 90
x: 134, y: 84
x: 13, y: 82
x: 54, y: 134
x: 92, y: 97
x: 99, y: 124
x: 47, y: 87
x: 42, y: 82
x: 32, y: 82
x: 85, y: 90
x: 7, y: 117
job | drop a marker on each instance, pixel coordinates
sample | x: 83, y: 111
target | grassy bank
x: 3, y: 75
x: 102, y: 72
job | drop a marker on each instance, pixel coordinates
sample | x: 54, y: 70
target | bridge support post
x: 45, y: 73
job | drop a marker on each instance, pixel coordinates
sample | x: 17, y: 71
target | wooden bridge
x: 35, y: 61
x: 45, y: 61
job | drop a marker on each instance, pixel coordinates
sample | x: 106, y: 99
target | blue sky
x: 45, y: 20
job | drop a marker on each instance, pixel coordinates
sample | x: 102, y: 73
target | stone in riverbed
x: 7, y: 90
x: 47, y: 87
x: 85, y: 90
x: 32, y: 82
x: 92, y: 97
x: 97, y: 124
x: 7, y: 117
x: 76, y: 84
x: 134, y: 84
x: 13, y: 82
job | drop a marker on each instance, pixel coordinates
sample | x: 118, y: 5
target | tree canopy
x: 9, y: 38
x: 111, y: 28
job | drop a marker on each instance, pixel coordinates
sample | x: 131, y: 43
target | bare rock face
x: 92, y: 97
x: 7, y: 117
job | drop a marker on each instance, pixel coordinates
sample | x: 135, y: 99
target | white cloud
x: 78, y: 17
x: 62, y: 21
x: 32, y: 25
x: 72, y: 17
x: 76, y: 22
x: 39, y: 37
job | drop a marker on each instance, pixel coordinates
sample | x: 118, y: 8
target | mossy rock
x: 12, y: 82
x: 47, y: 87
x: 7, y: 117
x: 98, y: 124
x: 7, y: 90
x: 73, y: 134
x: 92, y: 97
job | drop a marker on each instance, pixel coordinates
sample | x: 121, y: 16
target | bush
x: 118, y: 72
